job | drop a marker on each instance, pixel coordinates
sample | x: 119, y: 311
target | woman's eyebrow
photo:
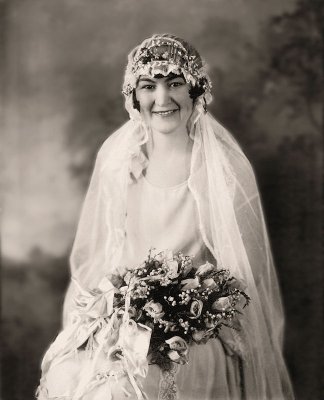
x: 171, y: 77
x: 168, y: 78
x: 144, y: 79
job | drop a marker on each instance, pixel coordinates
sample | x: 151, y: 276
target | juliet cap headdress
x: 163, y: 54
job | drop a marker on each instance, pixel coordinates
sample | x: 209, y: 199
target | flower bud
x: 195, y: 309
x: 221, y: 304
x: 205, y: 269
x: 190, y: 283
x: 209, y: 283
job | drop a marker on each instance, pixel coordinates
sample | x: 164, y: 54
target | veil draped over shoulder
x: 231, y: 223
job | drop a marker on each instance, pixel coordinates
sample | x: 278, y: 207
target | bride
x: 172, y: 178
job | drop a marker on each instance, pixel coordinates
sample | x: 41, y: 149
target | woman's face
x: 164, y: 102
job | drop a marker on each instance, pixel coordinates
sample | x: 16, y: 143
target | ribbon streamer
x: 115, y: 347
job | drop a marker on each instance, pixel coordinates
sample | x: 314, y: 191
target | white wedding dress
x: 166, y: 218
x: 217, y: 214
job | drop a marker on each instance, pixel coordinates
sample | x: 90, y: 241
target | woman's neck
x: 171, y: 143
x: 169, y: 158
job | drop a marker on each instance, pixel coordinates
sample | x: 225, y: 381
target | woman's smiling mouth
x: 164, y: 113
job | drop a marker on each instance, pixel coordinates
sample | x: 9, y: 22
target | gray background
x: 64, y: 64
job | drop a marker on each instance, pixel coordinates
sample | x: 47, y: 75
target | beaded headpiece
x: 162, y: 54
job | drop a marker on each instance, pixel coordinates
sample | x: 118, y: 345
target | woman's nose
x: 162, y: 95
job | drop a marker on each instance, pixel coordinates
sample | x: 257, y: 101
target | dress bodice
x: 163, y: 219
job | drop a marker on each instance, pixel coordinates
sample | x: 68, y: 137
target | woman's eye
x: 176, y: 84
x: 149, y: 87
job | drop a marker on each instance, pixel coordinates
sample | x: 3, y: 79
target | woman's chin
x: 167, y: 128
x: 164, y: 131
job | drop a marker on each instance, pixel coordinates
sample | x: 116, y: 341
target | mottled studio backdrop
x: 64, y: 63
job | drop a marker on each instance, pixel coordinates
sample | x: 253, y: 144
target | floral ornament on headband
x: 162, y: 55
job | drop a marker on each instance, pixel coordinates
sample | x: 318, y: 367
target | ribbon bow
x: 109, y: 335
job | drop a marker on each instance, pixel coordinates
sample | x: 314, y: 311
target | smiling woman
x: 165, y: 102
x: 172, y: 178
x: 166, y: 106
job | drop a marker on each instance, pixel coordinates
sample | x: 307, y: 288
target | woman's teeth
x: 164, y: 112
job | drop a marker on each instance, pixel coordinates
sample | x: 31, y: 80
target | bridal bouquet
x: 181, y: 304
x: 151, y: 314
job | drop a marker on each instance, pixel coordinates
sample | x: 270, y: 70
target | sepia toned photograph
x: 162, y: 199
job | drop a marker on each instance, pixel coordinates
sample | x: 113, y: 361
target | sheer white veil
x: 233, y: 227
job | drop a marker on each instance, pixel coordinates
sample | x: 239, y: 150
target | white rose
x: 155, y: 310
x: 178, y: 350
x: 177, y: 343
x: 195, y: 309
x: 221, y: 304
